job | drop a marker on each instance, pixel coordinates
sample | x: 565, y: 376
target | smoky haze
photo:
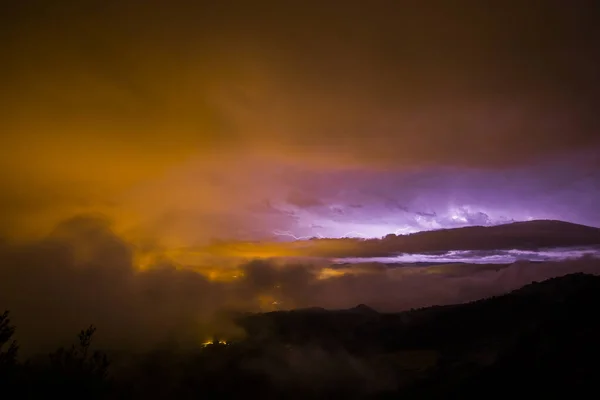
x: 173, y: 119
x: 83, y: 273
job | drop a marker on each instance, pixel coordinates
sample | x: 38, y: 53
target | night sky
x: 264, y: 120
x: 158, y: 158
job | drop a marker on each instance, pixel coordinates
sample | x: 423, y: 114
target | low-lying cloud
x: 83, y: 273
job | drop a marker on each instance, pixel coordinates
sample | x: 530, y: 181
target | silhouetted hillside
x: 538, y: 340
x: 528, y: 235
x: 491, y: 340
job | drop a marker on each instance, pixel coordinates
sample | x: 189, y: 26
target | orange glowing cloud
x: 176, y: 121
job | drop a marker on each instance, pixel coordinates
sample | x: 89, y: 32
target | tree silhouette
x: 540, y: 338
x: 77, y: 360
x: 8, y: 356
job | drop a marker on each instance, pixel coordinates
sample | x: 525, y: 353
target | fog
x: 85, y: 274
x: 484, y: 256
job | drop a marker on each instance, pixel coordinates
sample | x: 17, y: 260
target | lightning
x: 356, y: 234
x: 350, y: 234
x: 403, y: 231
x: 345, y: 235
x: 290, y: 234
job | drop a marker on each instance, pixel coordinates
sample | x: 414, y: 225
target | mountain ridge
x: 523, y: 235
x: 455, y: 350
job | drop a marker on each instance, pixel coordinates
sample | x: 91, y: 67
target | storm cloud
x: 83, y: 273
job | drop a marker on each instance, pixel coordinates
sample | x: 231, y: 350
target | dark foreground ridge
x: 538, y: 340
x: 527, y: 235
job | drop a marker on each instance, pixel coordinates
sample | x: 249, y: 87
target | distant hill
x: 517, y: 235
x: 437, y: 324
x: 540, y: 338
x: 528, y: 235
x: 540, y: 341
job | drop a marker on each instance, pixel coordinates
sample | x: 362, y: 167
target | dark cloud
x: 337, y: 210
x: 265, y: 207
x: 395, y: 205
x: 176, y: 120
x: 303, y: 200
x: 386, y: 83
x: 426, y: 214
